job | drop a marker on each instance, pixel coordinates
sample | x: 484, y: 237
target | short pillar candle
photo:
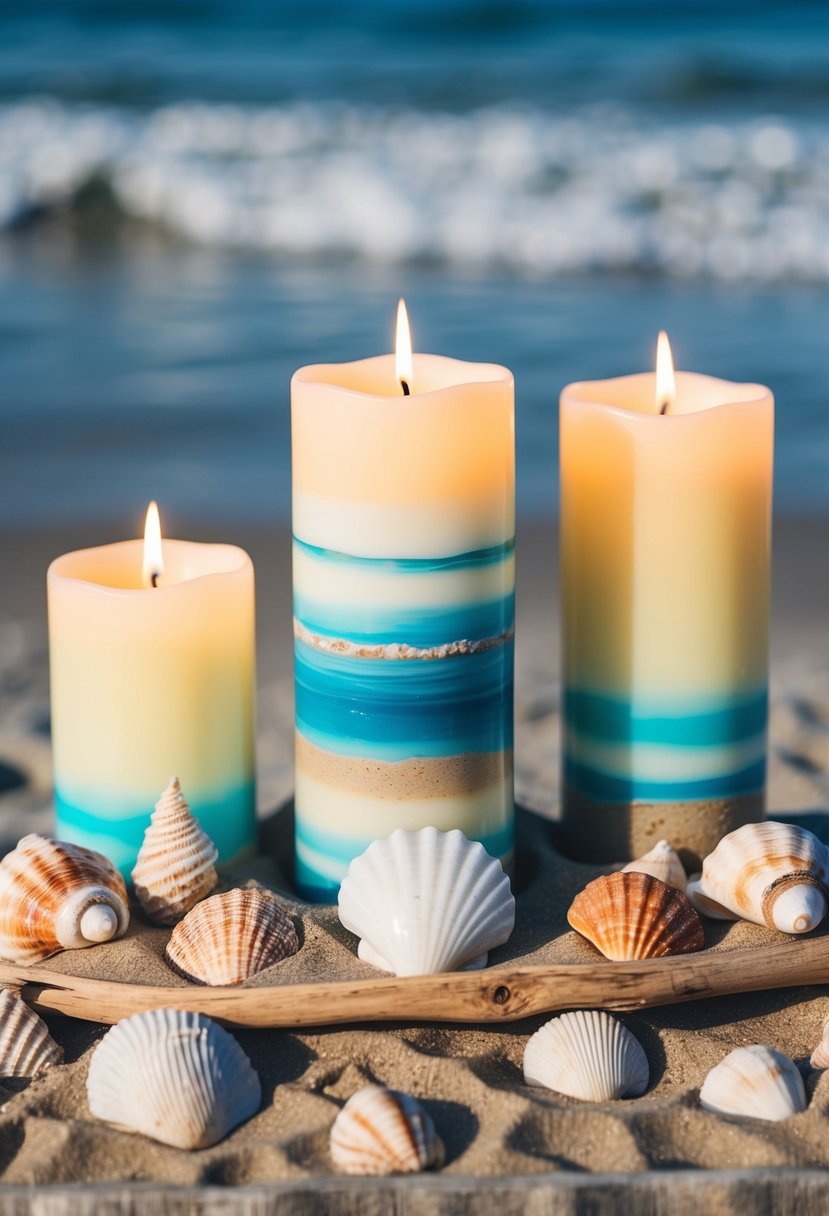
x: 665, y: 557
x: 404, y: 520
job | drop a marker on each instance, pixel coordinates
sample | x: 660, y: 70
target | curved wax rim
x: 619, y: 750
x: 404, y: 702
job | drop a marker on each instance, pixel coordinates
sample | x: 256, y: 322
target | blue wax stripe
x: 605, y: 788
x: 497, y: 738
x: 414, y: 565
x: 415, y: 626
x: 428, y: 705
x: 720, y: 722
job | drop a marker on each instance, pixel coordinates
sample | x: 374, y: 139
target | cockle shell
x: 172, y: 1075
x: 381, y: 1131
x: 57, y: 896
x: 427, y: 901
x: 26, y: 1047
x: 176, y: 863
x: 633, y: 915
x: 229, y: 937
x: 586, y: 1054
x: 661, y: 862
x: 755, y: 1081
x: 820, y: 1056
x: 773, y: 874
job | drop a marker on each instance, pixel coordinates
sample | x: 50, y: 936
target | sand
x: 469, y: 1079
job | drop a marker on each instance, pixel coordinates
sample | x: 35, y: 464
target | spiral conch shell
x: 380, y: 1131
x: 57, y: 896
x: 661, y: 862
x: 773, y: 874
x: 586, y: 1054
x: 26, y: 1047
x: 172, y: 1075
x: 755, y: 1081
x: 176, y: 863
x: 632, y: 915
x: 229, y: 937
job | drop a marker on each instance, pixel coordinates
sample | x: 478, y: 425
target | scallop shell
x: 381, y: 1131
x: 176, y: 863
x: 661, y: 862
x: 427, y: 901
x: 57, y: 896
x: 773, y: 874
x: 229, y: 937
x: 755, y: 1081
x: 632, y: 915
x: 175, y: 1076
x: 820, y: 1056
x: 26, y: 1047
x: 586, y: 1054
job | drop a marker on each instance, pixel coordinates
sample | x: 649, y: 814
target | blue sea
x: 198, y: 196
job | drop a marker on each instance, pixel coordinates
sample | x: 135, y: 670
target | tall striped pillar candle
x: 403, y: 516
x: 665, y: 555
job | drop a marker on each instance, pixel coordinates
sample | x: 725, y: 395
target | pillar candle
x: 404, y: 520
x: 148, y: 682
x: 665, y: 553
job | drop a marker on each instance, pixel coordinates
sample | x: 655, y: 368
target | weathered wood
x: 499, y: 994
x: 784, y: 1192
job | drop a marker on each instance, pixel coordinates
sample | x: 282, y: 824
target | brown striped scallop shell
x: 57, y: 896
x: 633, y: 915
x: 26, y: 1047
x: 176, y: 863
x: 380, y: 1131
x: 229, y: 937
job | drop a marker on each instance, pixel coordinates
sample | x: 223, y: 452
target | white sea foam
x: 517, y: 190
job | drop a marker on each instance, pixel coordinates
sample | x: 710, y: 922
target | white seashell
x: 773, y: 874
x: 586, y: 1054
x: 57, y: 896
x: 426, y: 901
x: 26, y: 1047
x: 380, y: 1131
x: 661, y: 862
x: 820, y: 1056
x: 175, y: 1076
x: 754, y: 1081
x: 230, y: 937
x: 176, y: 863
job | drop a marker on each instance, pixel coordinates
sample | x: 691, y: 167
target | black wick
x: 406, y: 390
x: 665, y: 405
x: 154, y: 578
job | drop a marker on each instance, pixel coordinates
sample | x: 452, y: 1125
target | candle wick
x: 665, y: 404
x: 154, y: 578
x: 406, y: 390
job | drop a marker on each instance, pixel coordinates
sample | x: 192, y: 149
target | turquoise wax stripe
x: 423, y: 627
x: 605, y: 788
x: 415, y: 565
x: 612, y: 720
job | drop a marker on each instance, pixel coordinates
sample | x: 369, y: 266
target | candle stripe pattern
x: 404, y: 701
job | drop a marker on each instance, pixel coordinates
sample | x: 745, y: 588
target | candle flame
x: 665, y: 381
x: 403, y: 348
x: 153, y: 555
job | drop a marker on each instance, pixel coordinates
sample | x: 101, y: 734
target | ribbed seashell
x: 57, y: 896
x: 586, y: 1054
x: 175, y: 1076
x: 755, y: 1081
x: 633, y: 915
x: 773, y: 874
x: 661, y: 862
x: 229, y: 937
x: 427, y: 901
x: 820, y: 1056
x: 26, y: 1047
x: 175, y: 867
x: 381, y: 1131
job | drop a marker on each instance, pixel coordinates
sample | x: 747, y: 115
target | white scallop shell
x: 175, y: 867
x: 661, y: 862
x: 586, y: 1054
x: 427, y: 901
x: 820, y: 1056
x: 380, y: 1131
x: 175, y: 1076
x: 26, y: 1047
x: 773, y: 874
x: 755, y: 1081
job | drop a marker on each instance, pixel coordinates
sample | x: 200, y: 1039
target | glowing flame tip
x: 153, y: 552
x: 403, y: 347
x: 665, y: 380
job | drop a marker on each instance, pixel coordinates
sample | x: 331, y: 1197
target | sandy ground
x: 469, y: 1079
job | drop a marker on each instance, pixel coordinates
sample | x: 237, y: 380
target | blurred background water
x: 198, y: 196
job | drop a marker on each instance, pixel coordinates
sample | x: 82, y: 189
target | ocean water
x: 196, y: 198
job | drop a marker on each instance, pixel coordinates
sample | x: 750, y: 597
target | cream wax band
x: 665, y: 555
x: 149, y: 681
